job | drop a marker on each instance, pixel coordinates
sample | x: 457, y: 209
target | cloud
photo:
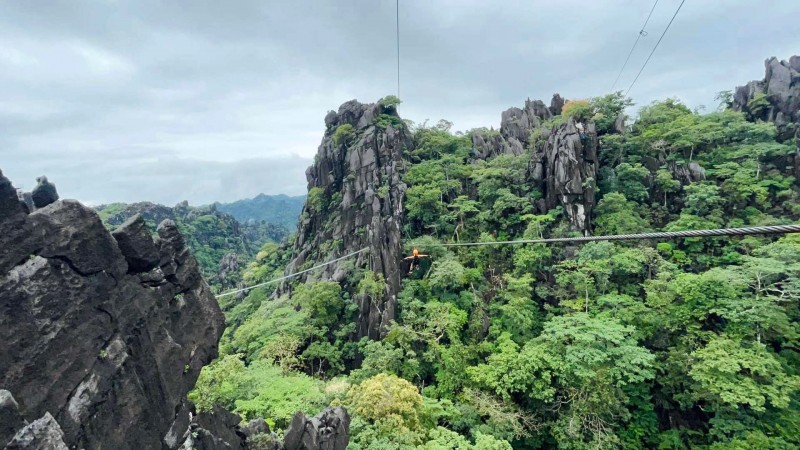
x: 204, y: 100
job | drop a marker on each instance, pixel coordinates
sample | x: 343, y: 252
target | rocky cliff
x: 776, y: 98
x: 355, y: 201
x: 101, y: 336
x: 563, y: 156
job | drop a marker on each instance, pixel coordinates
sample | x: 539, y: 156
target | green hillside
x: 690, y: 343
x: 280, y: 210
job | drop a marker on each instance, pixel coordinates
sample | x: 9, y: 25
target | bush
x: 388, y: 399
x: 580, y: 110
x: 344, y: 134
x: 390, y: 102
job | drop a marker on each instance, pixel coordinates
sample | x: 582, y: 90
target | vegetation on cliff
x: 677, y: 344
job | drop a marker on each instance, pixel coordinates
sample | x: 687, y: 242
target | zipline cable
x: 293, y: 274
x: 654, y: 48
x: 748, y: 231
x: 639, y: 36
x: 772, y: 229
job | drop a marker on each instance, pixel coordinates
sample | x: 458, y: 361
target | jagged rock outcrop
x: 326, y: 431
x: 570, y: 171
x: 515, y: 128
x: 26, y: 199
x: 43, y: 434
x: 102, y: 334
x: 221, y: 244
x: 356, y: 201
x: 10, y: 418
x: 228, y: 265
x: 215, y: 430
x: 563, y: 162
x: 776, y: 98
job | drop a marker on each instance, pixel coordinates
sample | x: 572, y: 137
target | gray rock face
x: 361, y: 205
x: 776, y: 98
x: 108, y: 352
x: 515, y: 128
x: 216, y: 430
x: 27, y: 200
x: 44, y: 193
x: 10, y: 418
x: 326, y: 431
x: 570, y: 161
x: 563, y: 163
x: 18, y: 239
x: 136, y: 245
x: 229, y: 264
x: 42, y: 434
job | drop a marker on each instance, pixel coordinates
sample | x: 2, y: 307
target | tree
x: 632, y: 180
x: 580, y: 110
x: 323, y: 300
x: 731, y: 375
x: 607, y: 109
x: 390, y: 102
x: 387, y: 401
x: 616, y: 215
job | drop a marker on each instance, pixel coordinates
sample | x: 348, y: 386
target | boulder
x: 44, y: 193
x: 42, y: 434
x: 217, y: 430
x: 136, y: 244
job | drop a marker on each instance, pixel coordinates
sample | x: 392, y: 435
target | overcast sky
x: 135, y: 100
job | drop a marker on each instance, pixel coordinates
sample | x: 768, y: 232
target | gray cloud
x: 144, y: 100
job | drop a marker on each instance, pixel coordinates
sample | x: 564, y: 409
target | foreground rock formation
x: 356, y: 201
x: 101, y: 336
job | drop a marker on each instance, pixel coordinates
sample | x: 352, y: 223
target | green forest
x: 688, y: 343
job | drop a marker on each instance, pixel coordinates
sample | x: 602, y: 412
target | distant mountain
x: 222, y: 245
x: 276, y: 209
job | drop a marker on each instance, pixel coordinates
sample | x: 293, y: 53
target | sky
x: 134, y: 100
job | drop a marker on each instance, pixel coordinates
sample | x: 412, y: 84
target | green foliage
x: 316, y: 199
x: 343, y: 135
x: 321, y: 300
x: 679, y: 343
x: 616, y: 215
x: 258, y: 390
x: 390, y: 102
x: 277, y: 209
x: 580, y: 110
x: 731, y: 375
x: 607, y: 109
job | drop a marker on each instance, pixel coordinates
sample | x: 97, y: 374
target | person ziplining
x: 416, y: 255
x: 414, y: 258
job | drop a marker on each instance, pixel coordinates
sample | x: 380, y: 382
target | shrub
x: 343, y: 135
x: 390, y: 102
x: 577, y: 109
